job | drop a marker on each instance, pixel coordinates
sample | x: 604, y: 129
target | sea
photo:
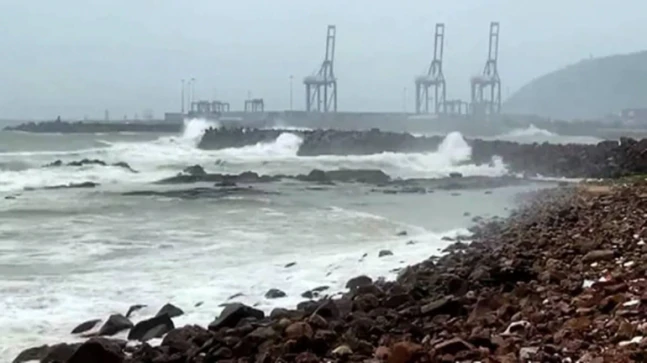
x: 72, y: 255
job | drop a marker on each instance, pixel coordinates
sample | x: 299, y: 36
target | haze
x: 78, y: 58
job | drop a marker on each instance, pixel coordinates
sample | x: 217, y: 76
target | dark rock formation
x: 275, y: 294
x: 95, y: 127
x: 115, y: 324
x: 197, y: 193
x: 171, y: 310
x: 605, y: 159
x: 85, y: 326
x: 83, y: 162
x: 148, y: 329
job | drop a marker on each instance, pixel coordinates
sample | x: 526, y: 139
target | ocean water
x: 70, y: 255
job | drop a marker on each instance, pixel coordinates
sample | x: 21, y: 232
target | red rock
x: 404, y: 352
x: 382, y: 353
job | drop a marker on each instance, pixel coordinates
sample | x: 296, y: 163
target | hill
x: 589, y: 89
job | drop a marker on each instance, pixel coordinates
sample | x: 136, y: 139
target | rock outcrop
x: 602, y: 160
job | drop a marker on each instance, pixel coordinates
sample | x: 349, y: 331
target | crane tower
x: 434, y: 78
x: 481, y: 104
x: 321, y: 88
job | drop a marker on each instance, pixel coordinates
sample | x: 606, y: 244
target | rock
x: 115, y: 324
x: 60, y: 352
x: 382, y: 353
x: 358, y: 281
x: 171, y: 310
x: 274, y: 294
x: 299, y: 330
x: 384, y: 253
x: 98, y: 351
x: 445, y: 305
x: 133, y: 309
x: 403, y: 352
x: 342, y: 351
x: 453, y: 346
x: 527, y: 353
x: 598, y: 255
x: 455, y: 175
x: 232, y: 314
x: 195, y: 170
x: 29, y: 354
x: 155, y: 327
x: 85, y: 326
x: 401, y: 233
x: 290, y: 264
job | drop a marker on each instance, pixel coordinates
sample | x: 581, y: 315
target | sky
x: 78, y: 58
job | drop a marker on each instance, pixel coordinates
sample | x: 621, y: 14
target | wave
x: 168, y: 155
x: 531, y: 130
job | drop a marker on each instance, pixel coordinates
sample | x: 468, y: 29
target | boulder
x: 232, y: 314
x: 148, y: 329
x: 171, y: 310
x: 97, y: 350
x: 274, y: 294
x: 116, y: 323
x: 85, y: 326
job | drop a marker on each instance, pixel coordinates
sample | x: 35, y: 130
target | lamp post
x: 182, y: 98
x: 291, y: 78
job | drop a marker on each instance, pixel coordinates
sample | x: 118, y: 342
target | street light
x: 291, y: 78
x: 182, y: 97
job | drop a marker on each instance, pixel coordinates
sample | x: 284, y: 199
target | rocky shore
x: 80, y: 127
x: 561, y: 280
x: 602, y: 160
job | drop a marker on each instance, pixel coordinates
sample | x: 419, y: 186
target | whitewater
x: 71, y: 255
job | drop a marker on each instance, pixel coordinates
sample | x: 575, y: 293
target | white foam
x: 110, y: 274
x: 166, y: 156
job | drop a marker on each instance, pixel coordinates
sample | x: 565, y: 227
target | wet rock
x: 384, y: 253
x: 35, y: 353
x: 156, y: 327
x: 446, y: 305
x: 98, y: 351
x: 234, y: 313
x: 133, y: 309
x: 196, y: 170
x: 116, y: 323
x: 171, y: 310
x: 85, y: 326
x: 290, y: 264
x: 358, y: 281
x: 60, y: 352
x: 342, y: 351
x: 274, y: 294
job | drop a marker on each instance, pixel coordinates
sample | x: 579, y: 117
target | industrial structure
x: 208, y: 109
x: 255, y: 105
x: 489, y: 82
x: 321, y: 88
x: 434, y: 78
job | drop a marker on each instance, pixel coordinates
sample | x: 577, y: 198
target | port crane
x: 321, y: 88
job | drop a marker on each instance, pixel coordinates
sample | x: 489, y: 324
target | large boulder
x: 233, y: 313
x: 155, y: 327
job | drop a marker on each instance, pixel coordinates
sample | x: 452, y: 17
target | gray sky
x: 79, y: 57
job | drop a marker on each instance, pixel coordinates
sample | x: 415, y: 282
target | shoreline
x: 537, y: 285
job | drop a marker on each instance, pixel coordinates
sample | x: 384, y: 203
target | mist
x: 77, y: 59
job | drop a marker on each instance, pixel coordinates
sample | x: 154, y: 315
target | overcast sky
x: 79, y: 57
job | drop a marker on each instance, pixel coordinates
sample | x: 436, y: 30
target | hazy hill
x: 588, y: 89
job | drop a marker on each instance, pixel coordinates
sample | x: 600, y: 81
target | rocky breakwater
x: 64, y: 127
x: 561, y: 280
x: 605, y: 159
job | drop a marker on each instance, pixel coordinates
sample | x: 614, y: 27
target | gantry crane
x: 488, y: 81
x: 321, y: 88
x: 433, y: 78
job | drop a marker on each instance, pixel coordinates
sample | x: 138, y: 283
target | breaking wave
x: 165, y: 156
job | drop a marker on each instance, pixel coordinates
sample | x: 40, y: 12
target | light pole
x: 192, y: 93
x: 182, y: 97
x: 291, y: 78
